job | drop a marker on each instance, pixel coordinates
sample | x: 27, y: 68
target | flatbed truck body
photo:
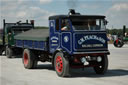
x: 33, y: 39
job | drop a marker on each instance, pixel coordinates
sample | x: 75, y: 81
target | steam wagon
x: 72, y: 41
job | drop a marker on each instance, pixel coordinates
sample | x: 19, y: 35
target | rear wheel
x: 103, y: 65
x: 61, y: 65
x: 29, y: 59
x: 2, y: 50
x: 9, y: 52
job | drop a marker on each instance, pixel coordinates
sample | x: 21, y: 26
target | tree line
x: 116, y: 31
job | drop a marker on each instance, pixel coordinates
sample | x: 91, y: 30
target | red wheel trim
x: 25, y: 58
x: 117, y: 41
x: 59, y: 64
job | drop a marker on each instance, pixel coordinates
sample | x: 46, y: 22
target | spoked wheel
x: 118, y: 43
x: 29, y: 59
x: 61, y: 65
x: 103, y: 65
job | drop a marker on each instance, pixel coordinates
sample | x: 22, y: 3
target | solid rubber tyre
x: 29, y: 59
x: 119, y: 44
x: 1, y: 50
x: 9, y: 52
x: 61, y: 65
x: 103, y: 66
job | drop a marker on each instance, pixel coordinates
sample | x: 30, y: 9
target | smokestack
x: 3, y: 32
x: 71, y: 11
x: 32, y: 22
x: 26, y: 21
x: 124, y: 30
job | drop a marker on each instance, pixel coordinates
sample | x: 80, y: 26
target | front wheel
x: 102, y: 66
x: 61, y: 64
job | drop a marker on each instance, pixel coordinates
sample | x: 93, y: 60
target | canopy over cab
x: 81, y: 22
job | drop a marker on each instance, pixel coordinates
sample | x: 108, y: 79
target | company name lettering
x: 90, y: 37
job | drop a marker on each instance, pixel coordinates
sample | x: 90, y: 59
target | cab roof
x: 77, y: 16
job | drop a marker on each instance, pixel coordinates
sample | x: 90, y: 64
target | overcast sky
x: 116, y: 11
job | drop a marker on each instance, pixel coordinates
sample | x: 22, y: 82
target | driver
x: 65, y: 25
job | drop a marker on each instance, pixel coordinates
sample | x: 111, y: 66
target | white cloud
x: 120, y: 6
x: 13, y: 11
x: 21, y: 14
x: 117, y: 15
x: 45, y: 1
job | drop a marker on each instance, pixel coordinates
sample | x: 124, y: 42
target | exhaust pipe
x: 72, y: 12
x: 124, y: 30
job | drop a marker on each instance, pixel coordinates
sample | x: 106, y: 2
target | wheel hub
x: 25, y: 59
x: 59, y: 64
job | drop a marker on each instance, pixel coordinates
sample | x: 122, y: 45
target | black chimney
x: 124, y: 30
x: 71, y: 12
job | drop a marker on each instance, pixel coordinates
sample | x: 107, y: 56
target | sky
x: 116, y: 11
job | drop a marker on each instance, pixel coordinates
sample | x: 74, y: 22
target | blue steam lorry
x: 72, y: 41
